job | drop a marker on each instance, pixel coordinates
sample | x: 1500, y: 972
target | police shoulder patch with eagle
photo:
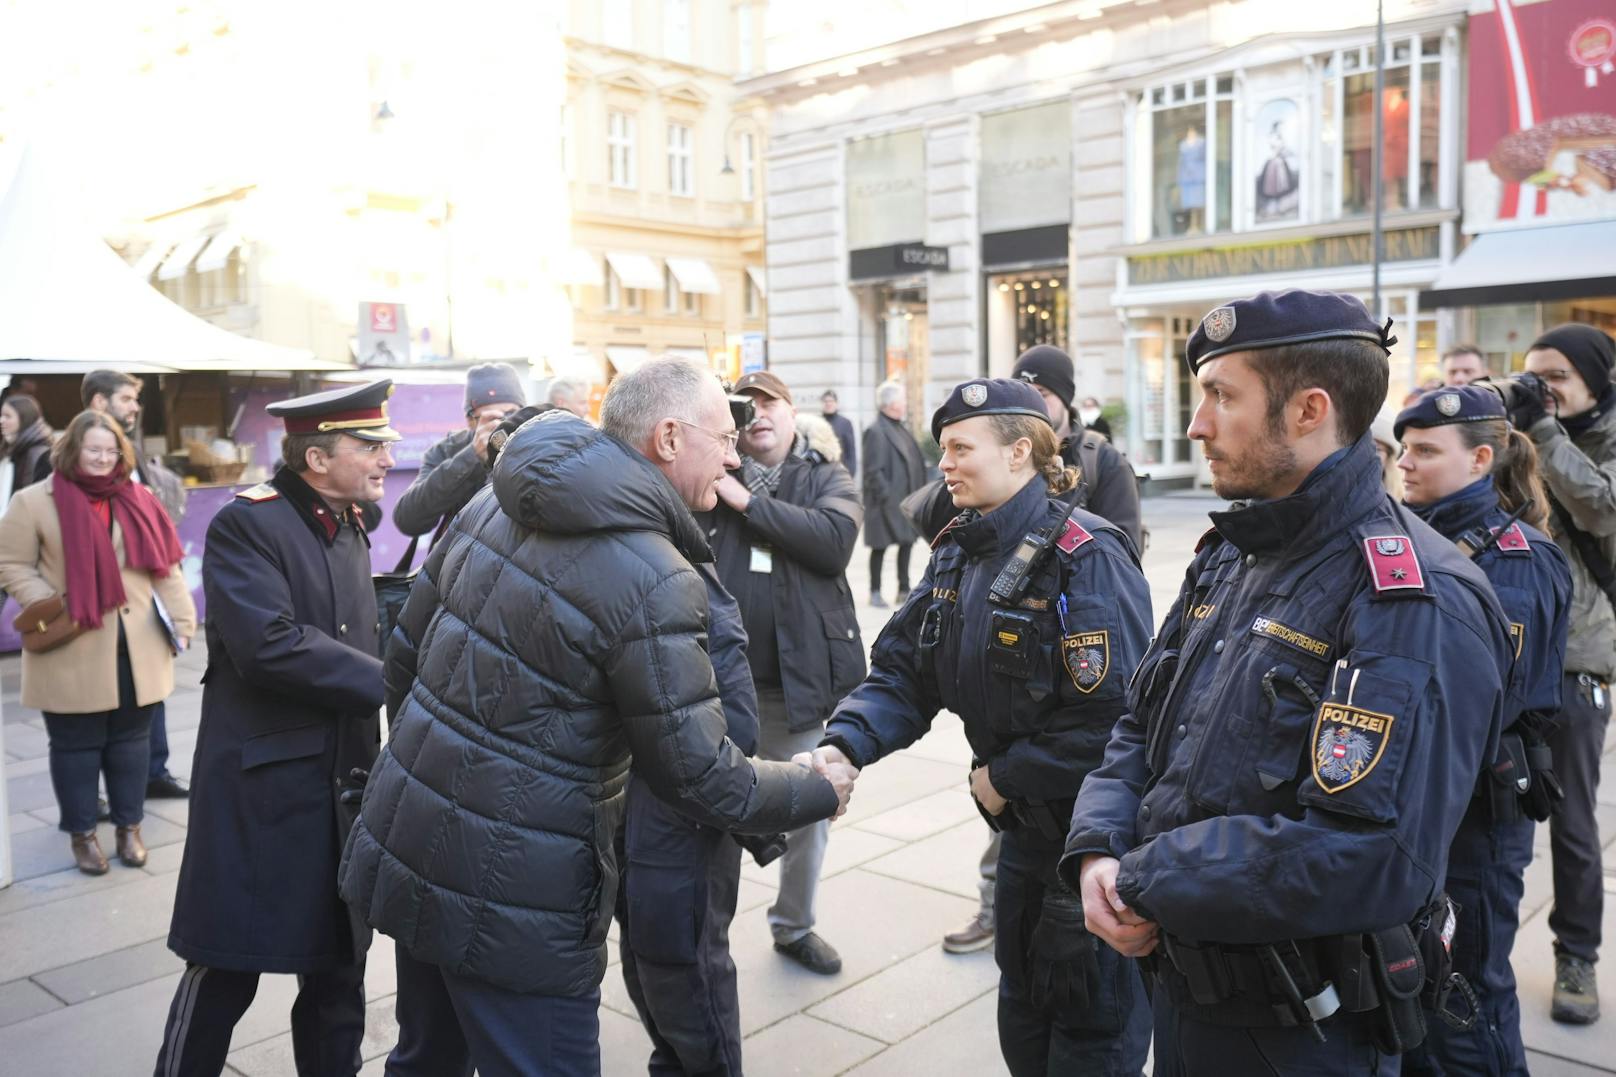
x: 1348, y: 743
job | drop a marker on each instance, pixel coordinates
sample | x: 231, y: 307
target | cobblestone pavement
x: 85, y: 977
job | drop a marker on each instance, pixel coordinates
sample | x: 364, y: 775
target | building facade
x: 1098, y: 176
x: 665, y: 172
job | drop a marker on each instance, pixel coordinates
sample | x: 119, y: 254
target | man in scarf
x: 1573, y: 425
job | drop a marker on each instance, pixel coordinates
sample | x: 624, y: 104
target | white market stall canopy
x: 68, y: 302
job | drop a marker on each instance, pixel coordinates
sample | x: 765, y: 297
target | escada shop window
x: 1191, y: 156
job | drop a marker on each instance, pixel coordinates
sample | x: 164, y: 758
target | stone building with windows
x: 1098, y: 175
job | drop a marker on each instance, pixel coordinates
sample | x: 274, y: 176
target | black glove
x: 1526, y: 399
x: 357, y: 777
x: 765, y: 848
x: 1065, y: 970
x: 1544, y: 790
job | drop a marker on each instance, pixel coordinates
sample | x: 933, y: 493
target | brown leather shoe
x: 131, y: 850
x: 87, y: 854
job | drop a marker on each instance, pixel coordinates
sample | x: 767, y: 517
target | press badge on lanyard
x: 762, y: 559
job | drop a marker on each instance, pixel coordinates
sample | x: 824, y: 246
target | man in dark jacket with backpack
x: 555, y: 637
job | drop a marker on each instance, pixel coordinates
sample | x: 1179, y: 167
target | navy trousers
x: 1107, y: 1038
x: 84, y: 746
x: 448, y: 1024
x: 674, y: 908
x: 1486, y: 879
x: 1578, y: 741
x: 159, y: 742
x: 328, y: 1021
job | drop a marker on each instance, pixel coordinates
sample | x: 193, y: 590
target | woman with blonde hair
x: 104, y: 544
x: 1029, y: 620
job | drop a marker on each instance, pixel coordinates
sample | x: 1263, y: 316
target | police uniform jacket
x: 289, y: 708
x: 556, y: 634
x: 1306, y: 731
x: 1039, y: 730
x: 1532, y: 579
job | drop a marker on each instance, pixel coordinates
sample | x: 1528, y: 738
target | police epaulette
x: 1512, y: 540
x: 1393, y: 564
x: 1072, y: 537
x: 262, y: 492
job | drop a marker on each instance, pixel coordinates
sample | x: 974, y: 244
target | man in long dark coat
x: 893, y: 468
x: 289, y: 724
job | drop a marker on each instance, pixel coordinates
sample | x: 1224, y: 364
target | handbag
x: 392, y: 591
x: 45, y: 625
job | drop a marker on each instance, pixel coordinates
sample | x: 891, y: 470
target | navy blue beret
x: 1439, y: 407
x: 987, y: 396
x: 1270, y: 319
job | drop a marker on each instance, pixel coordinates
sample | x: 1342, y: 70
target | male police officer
x: 1273, y: 818
x: 289, y: 725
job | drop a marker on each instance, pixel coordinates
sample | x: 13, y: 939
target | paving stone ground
x: 85, y: 976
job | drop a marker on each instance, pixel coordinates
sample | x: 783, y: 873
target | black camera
x: 1518, y: 391
x: 765, y: 849
x: 743, y: 409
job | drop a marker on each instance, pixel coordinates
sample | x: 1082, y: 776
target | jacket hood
x: 821, y: 438
x: 560, y: 475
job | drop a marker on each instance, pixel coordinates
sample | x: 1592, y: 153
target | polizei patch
x: 1348, y: 742
x: 1087, y: 656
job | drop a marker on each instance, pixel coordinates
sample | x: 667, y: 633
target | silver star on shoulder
x: 1398, y: 573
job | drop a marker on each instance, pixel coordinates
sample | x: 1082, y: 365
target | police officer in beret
x: 289, y: 728
x: 1474, y: 479
x: 1272, y: 822
x: 1027, y: 623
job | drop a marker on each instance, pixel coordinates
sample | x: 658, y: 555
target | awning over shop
x: 694, y: 275
x: 66, y: 298
x: 579, y: 266
x: 147, y: 263
x: 1529, y: 265
x: 635, y: 270
x: 180, y: 258
x: 760, y: 279
x: 218, y: 251
x: 625, y: 358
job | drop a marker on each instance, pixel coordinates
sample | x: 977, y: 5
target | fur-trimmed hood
x: 821, y: 438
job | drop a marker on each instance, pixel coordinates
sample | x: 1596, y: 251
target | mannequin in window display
x: 1191, y: 182
x: 1394, y: 157
x: 1277, y: 183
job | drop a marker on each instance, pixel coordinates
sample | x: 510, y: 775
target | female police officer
x: 1027, y: 624
x: 1468, y: 475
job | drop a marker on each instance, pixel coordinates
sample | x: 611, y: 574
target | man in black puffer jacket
x: 556, y: 634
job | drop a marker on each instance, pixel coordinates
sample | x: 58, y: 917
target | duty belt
x: 1283, y: 984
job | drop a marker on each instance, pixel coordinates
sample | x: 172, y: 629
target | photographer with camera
x: 1567, y: 405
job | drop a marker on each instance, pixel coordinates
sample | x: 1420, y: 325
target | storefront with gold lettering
x: 1254, y: 172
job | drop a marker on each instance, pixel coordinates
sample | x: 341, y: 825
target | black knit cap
x: 1048, y: 366
x: 1590, y: 351
x: 1273, y: 319
x: 1440, y: 407
x: 987, y: 396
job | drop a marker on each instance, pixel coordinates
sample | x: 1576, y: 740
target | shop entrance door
x: 1164, y: 395
x: 904, y: 345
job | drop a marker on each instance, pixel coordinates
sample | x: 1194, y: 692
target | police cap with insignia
x: 357, y: 410
x: 988, y: 396
x: 1274, y: 319
x: 1458, y: 404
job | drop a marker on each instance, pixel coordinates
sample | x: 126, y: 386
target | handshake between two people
x: 833, y: 765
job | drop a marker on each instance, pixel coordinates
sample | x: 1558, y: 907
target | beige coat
x: 81, y: 677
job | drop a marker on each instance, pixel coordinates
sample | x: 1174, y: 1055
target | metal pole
x: 1378, y: 150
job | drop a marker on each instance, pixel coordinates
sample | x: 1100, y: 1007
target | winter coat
x: 810, y: 525
x: 81, y: 677
x: 29, y: 457
x: 1581, y: 475
x: 557, y: 632
x: 289, y: 710
x: 847, y: 438
x: 893, y: 468
x: 451, y: 474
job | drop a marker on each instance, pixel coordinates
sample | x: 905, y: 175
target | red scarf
x: 94, y: 582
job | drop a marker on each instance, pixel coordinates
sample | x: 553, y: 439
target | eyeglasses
x: 729, y: 438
